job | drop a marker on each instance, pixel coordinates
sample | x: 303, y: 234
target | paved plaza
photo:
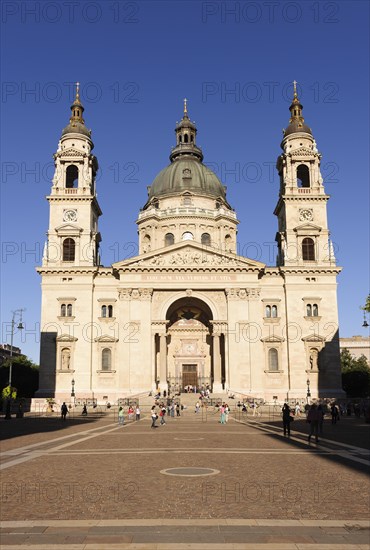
x: 90, y: 484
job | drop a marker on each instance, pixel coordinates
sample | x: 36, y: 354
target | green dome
x: 186, y: 174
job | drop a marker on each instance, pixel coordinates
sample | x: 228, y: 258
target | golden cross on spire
x: 77, y: 89
x: 185, y: 106
x: 295, y: 88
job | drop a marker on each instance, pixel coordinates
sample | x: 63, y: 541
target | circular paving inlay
x: 190, y: 472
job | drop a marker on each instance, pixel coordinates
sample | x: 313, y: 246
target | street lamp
x: 73, y: 388
x: 17, y: 312
x: 365, y: 323
x: 308, y: 389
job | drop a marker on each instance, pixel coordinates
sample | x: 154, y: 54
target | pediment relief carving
x: 303, y: 152
x: 195, y: 255
x: 308, y: 227
x: 71, y: 152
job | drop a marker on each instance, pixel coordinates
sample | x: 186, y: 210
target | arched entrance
x: 190, y: 351
x: 189, y: 342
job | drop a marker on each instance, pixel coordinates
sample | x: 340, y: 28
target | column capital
x: 160, y: 327
x: 219, y: 327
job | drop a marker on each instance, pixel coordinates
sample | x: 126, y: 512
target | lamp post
x: 308, y: 390
x: 365, y: 324
x: 73, y: 388
x: 17, y: 312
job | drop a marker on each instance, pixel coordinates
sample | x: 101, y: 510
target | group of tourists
x: 224, y: 413
x: 131, y: 412
x: 315, y: 414
x: 170, y: 410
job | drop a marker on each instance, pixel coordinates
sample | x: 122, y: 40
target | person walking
x: 297, y: 410
x: 63, y: 411
x: 222, y: 411
x: 227, y: 412
x: 154, y: 417
x: 162, y: 414
x: 121, y: 416
x: 314, y: 417
x: 197, y: 407
x: 334, y: 413
x: 178, y: 409
x: 84, y: 410
x: 137, y: 412
x: 287, y: 418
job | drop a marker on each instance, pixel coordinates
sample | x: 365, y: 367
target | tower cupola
x: 296, y: 121
x: 186, y: 132
x: 76, y: 122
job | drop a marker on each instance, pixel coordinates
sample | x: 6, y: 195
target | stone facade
x: 357, y: 346
x: 188, y: 310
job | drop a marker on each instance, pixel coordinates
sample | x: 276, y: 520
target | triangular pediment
x: 66, y: 338
x: 273, y: 339
x: 313, y: 338
x: 105, y: 338
x: 187, y: 254
x: 68, y: 228
x: 307, y: 228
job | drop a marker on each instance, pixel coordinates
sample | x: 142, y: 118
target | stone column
x: 217, y: 385
x: 163, y: 362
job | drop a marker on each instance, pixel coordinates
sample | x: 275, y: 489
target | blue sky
x: 136, y: 61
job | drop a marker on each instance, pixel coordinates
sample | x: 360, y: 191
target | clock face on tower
x: 70, y: 215
x: 305, y: 215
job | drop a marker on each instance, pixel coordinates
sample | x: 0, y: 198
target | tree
x: 355, y: 375
x: 366, y: 307
x: 25, y: 375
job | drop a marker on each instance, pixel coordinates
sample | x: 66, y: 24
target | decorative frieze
x: 135, y: 293
x: 242, y: 293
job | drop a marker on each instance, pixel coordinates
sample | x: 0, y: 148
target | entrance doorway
x: 189, y: 376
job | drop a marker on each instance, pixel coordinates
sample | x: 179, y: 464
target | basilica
x: 188, y: 310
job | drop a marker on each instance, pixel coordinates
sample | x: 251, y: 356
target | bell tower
x: 73, y: 237
x: 303, y: 235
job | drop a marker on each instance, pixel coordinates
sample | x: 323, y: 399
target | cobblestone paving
x: 95, y: 472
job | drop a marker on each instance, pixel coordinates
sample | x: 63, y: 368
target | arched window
x: 273, y: 359
x: 72, y: 176
x: 303, y: 176
x: 110, y: 311
x: 63, y: 310
x: 65, y: 359
x: 169, y: 239
x: 69, y: 247
x: 180, y: 139
x: 274, y: 311
x: 309, y: 310
x: 308, y: 249
x: 206, y: 239
x: 186, y: 138
x: 106, y: 359
x: 268, y: 311
x: 187, y: 236
x: 191, y: 138
x: 315, y: 310
x: 103, y: 311
x: 146, y: 244
x: 228, y: 243
x: 69, y: 310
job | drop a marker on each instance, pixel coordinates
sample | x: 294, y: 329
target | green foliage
x: 366, y: 307
x: 25, y: 375
x: 9, y: 392
x: 355, y: 375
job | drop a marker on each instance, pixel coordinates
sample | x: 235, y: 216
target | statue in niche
x: 314, y: 356
x: 66, y: 359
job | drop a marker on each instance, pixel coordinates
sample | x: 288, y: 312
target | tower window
x: 192, y: 138
x: 312, y: 310
x: 268, y: 311
x: 69, y: 249
x: 107, y: 311
x: 206, y: 239
x: 72, y: 177
x: 309, y: 310
x: 303, y: 176
x: 274, y: 311
x: 186, y: 138
x: 69, y: 310
x: 315, y: 310
x: 273, y: 359
x: 106, y: 359
x: 308, y: 249
x: 180, y: 139
x: 63, y: 310
x: 169, y: 239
